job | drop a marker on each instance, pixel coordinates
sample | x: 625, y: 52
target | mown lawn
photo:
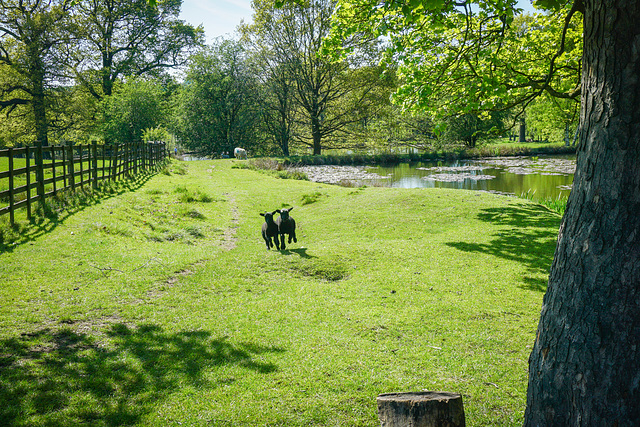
x: 160, y: 305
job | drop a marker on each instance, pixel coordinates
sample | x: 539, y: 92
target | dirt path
x: 229, y: 239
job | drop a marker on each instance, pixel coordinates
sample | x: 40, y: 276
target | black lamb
x: 286, y: 225
x: 270, y: 230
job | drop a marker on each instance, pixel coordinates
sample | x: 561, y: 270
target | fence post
x: 40, y: 173
x: 114, y: 161
x: 103, y: 157
x: 94, y: 164
x: 136, y: 157
x: 126, y: 160
x: 65, y: 179
x: 27, y: 165
x: 81, y: 150
x: 11, y: 214
x: 71, y: 169
x: 53, y: 167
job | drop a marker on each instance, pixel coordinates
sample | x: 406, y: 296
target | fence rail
x: 36, y: 173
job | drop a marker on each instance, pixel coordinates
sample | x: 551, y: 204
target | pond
x: 541, y: 177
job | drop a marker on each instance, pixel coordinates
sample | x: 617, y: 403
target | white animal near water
x: 240, y: 153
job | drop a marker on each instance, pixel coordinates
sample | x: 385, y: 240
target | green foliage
x: 312, y: 101
x: 463, y: 60
x: 470, y: 128
x: 558, y: 205
x: 135, y: 106
x: 156, y: 134
x: 219, y: 107
x: 115, y: 40
x: 553, y: 119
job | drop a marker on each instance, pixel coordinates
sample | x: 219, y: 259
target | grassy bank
x: 390, y: 158
x: 160, y: 304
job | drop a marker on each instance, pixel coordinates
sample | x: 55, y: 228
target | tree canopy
x: 470, y: 57
x: 53, y: 50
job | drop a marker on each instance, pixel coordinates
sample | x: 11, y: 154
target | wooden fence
x: 36, y: 173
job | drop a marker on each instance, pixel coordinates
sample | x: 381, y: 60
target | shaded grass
x: 386, y: 290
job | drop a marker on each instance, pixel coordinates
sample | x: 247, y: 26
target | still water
x: 543, y: 177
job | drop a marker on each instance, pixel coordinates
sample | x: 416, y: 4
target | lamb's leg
x: 277, y: 242
x: 268, y: 242
x: 282, y: 245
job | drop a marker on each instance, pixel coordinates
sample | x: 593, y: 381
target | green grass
x: 144, y: 308
x: 558, y: 205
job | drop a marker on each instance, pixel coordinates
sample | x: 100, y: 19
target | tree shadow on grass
x: 63, y: 377
x: 530, y: 239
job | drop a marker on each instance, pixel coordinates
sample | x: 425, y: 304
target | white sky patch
x: 218, y: 17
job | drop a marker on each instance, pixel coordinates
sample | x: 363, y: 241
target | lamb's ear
x: 275, y: 212
x: 261, y: 214
x: 291, y: 208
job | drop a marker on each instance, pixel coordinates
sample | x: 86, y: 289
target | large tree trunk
x: 584, y: 368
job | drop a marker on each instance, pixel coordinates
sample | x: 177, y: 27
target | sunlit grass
x: 558, y: 204
x: 143, y: 308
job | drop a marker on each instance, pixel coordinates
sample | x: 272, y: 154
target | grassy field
x: 160, y: 305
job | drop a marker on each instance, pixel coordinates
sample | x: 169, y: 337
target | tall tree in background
x: 129, y: 38
x: 584, y: 368
x: 30, y: 33
x: 134, y: 107
x: 274, y: 74
x: 329, y: 95
x: 219, y: 106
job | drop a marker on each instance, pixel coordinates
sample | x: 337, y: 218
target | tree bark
x: 584, y: 368
x: 38, y: 100
x: 423, y: 409
x: 316, y: 135
x: 522, y: 132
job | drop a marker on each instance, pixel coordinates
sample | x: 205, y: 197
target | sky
x: 222, y: 17
x: 219, y: 17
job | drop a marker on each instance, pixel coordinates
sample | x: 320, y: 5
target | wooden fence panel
x: 58, y: 168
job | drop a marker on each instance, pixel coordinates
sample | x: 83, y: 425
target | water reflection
x: 542, y: 176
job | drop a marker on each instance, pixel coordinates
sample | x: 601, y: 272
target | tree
x: 30, y: 32
x: 129, y: 38
x: 329, y: 95
x: 584, y: 368
x: 278, y: 92
x: 458, y: 60
x: 134, y: 107
x: 470, y: 128
x: 554, y: 119
x: 219, y: 107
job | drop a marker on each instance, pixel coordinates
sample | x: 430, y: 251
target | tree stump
x: 421, y: 409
